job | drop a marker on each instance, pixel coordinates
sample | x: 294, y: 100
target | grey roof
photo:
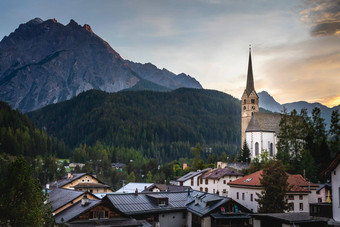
x: 61, y: 196
x: 327, y: 185
x: 66, y: 180
x: 219, y: 173
x: 192, y: 174
x: 132, y: 186
x: 91, y: 185
x: 75, y: 210
x: 264, y: 122
x: 130, y: 203
x: 144, y: 203
x: 164, y: 187
x: 291, y: 218
x: 206, y: 203
x: 250, y: 80
x: 113, y: 222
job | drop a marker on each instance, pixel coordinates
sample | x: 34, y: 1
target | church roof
x: 250, y: 80
x: 264, y: 122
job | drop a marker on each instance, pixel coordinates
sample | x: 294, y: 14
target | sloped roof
x: 264, y: 122
x: 61, y: 196
x: 91, y: 185
x: 164, y: 187
x: 206, y: 203
x: 250, y: 79
x: 131, y: 187
x: 332, y: 166
x: 66, y: 180
x: 290, y: 218
x: 192, y: 174
x: 75, y: 210
x: 219, y: 173
x: 296, y: 182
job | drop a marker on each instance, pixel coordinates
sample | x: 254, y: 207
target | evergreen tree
x: 149, y: 177
x: 334, y: 132
x: 22, y: 198
x: 245, y: 153
x: 275, y: 186
x: 132, y: 177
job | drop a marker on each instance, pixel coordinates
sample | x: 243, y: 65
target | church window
x: 244, y: 108
x: 245, y: 101
x: 271, y: 150
x: 256, y: 149
x: 253, y: 101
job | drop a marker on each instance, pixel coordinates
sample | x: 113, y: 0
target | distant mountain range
x: 45, y: 62
x: 269, y: 103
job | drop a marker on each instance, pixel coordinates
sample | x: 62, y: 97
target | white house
x: 302, y: 192
x: 191, y: 178
x: 216, y: 181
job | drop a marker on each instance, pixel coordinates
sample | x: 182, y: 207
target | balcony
x: 321, y: 210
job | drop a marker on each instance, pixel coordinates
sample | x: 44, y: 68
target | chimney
x: 196, y: 201
x: 136, y: 192
x: 84, y: 200
x: 47, y: 186
x: 69, y: 175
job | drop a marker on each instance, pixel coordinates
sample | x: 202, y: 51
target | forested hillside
x: 164, y: 125
x: 18, y: 136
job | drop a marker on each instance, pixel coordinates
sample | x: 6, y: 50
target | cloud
x: 323, y: 15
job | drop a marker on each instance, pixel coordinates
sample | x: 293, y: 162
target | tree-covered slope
x: 18, y: 136
x: 165, y: 125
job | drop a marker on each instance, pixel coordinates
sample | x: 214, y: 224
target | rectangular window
x: 206, y: 181
x: 214, y: 190
x: 251, y: 197
x: 192, y: 181
x: 291, y: 197
x: 106, y: 214
x: 301, y: 206
x: 252, y: 101
x: 243, y: 196
x: 201, y: 189
x: 206, y: 189
x: 224, y: 181
x: 291, y: 206
x: 201, y: 181
x: 237, y: 195
x: 301, y: 197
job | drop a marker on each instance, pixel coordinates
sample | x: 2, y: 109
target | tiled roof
x: 219, y: 173
x: 192, y: 174
x: 296, y: 182
x: 91, y: 185
x: 60, y: 196
x: 75, y: 210
x: 265, y: 122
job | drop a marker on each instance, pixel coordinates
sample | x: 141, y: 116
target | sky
x: 295, y: 43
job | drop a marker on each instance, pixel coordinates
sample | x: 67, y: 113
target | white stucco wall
x: 335, y: 193
x: 246, y: 202
x: 264, y: 139
x: 217, y: 185
x: 297, y: 202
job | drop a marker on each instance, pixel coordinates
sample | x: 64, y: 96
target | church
x: 259, y: 129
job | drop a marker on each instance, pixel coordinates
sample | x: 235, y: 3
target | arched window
x: 271, y: 153
x: 256, y: 149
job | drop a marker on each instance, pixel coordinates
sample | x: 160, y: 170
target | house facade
x: 244, y: 190
x: 191, y: 179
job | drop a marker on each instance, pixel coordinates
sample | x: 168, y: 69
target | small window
x: 244, y: 101
x: 201, y: 189
x: 214, y: 190
x: 319, y: 200
x: 237, y: 195
x: 206, y: 189
x: 244, y: 107
x: 301, y: 197
x: 106, y: 214
x: 224, y: 181
x: 251, y: 197
x: 252, y: 101
x: 291, y: 197
x: 291, y: 206
x: 243, y: 196
x: 256, y: 149
x: 271, y: 153
x: 301, y: 206
x: 201, y: 181
x: 206, y: 181
x: 192, y: 181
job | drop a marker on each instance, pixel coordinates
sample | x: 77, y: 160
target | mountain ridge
x: 45, y: 62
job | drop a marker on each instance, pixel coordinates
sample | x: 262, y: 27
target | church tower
x: 250, y: 100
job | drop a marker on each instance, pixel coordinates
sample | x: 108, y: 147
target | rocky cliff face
x: 44, y: 62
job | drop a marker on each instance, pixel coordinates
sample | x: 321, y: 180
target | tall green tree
x: 245, y: 153
x: 275, y: 186
x: 22, y: 198
x: 334, y: 132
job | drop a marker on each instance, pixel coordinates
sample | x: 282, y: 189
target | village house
x: 244, y: 190
x: 81, y: 182
x: 330, y: 210
x: 166, y: 188
x: 191, y: 178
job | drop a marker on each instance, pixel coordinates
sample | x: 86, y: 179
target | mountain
x: 44, y: 62
x: 164, y: 125
x: 269, y: 103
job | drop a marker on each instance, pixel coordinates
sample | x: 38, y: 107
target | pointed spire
x: 250, y: 81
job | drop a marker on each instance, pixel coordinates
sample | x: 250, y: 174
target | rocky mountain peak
x: 88, y: 28
x: 36, y: 20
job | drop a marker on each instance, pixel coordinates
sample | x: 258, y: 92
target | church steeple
x: 250, y: 79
